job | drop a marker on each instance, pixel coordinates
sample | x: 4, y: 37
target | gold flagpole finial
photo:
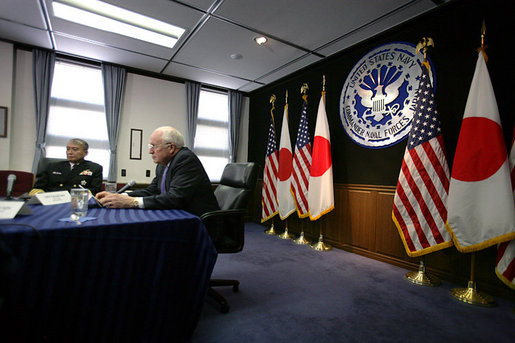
x: 323, y: 83
x: 272, y: 100
x: 286, y: 102
x: 482, y: 48
x: 423, y: 46
x: 304, y: 91
x: 483, y: 33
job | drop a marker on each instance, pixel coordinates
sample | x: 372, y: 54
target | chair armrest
x: 223, y: 213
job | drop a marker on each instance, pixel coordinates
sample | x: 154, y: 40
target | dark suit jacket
x: 187, y: 186
x: 59, y: 177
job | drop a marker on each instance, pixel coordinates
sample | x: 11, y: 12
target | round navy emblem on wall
x: 376, y: 104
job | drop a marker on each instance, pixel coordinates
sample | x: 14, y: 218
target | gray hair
x: 80, y: 142
x: 171, y: 135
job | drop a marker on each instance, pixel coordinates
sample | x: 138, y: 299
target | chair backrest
x: 236, y: 185
x: 44, y: 162
x: 23, y: 183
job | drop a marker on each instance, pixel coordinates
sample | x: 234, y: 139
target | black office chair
x: 226, y: 226
x: 44, y: 162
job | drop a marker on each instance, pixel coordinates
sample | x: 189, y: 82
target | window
x: 77, y: 111
x: 212, y: 135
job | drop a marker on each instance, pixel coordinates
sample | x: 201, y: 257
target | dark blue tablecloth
x: 127, y: 276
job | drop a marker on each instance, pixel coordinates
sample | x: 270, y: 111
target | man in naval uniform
x: 76, y: 172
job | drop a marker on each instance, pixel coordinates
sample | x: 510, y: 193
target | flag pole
x: 320, y: 245
x: 420, y: 277
x: 285, y: 234
x: 271, y: 231
x: 301, y: 239
x: 470, y: 295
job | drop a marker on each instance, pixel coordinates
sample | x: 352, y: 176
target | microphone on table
x: 124, y: 188
x: 11, y: 178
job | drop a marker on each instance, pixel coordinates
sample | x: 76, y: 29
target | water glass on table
x: 79, y: 203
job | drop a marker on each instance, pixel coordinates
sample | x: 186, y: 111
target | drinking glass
x: 79, y: 201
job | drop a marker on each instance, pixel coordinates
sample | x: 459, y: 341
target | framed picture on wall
x: 136, y: 137
x: 3, y: 121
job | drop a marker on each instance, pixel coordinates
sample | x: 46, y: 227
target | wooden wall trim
x: 362, y: 223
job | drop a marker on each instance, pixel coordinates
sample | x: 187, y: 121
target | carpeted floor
x: 291, y: 293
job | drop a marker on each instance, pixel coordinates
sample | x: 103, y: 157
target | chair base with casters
x: 226, y: 226
x: 224, y: 305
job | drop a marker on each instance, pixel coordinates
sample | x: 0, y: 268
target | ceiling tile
x: 109, y: 54
x: 203, y: 76
x: 290, y: 68
x: 25, y: 34
x: 26, y: 12
x: 384, y: 24
x: 249, y: 87
x: 309, y: 24
x: 212, y: 46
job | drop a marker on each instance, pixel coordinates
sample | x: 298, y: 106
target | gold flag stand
x: 301, y: 239
x: 271, y: 231
x: 470, y: 295
x: 320, y: 245
x: 420, y: 277
x: 285, y: 234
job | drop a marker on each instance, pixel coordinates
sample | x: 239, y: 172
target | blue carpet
x: 291, y: 293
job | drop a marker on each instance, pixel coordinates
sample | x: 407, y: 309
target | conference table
x: 126, y: 275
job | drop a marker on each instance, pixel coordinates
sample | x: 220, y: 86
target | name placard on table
x: 53, y: 198
x: 9, y: 209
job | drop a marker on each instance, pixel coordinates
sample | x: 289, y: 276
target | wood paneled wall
x: 362, y: 223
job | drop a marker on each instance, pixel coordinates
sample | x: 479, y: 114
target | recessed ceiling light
x: 106, y: 17
x: 260, y: 40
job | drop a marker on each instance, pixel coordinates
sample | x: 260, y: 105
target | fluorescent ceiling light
x: 110, y: 18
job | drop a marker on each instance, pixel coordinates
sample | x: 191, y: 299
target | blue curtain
x: 43, y: 63
x: 235, y: 99
x: 114, y: 85
x: 192, y: 100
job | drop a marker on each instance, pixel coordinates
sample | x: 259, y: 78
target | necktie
x: 163, y: 181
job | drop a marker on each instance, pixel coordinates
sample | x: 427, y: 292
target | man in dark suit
x: 180, y: 182
x: 76, y: 172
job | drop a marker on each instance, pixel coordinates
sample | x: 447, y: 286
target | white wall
x: 148, y: 103
x: 23, y: 129
x: 6, y: 77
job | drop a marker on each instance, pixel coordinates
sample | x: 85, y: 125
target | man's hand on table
x: 115, y: 200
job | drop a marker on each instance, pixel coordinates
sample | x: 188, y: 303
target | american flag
x: 269, y: 194
x: 420, y: 203
x: 302, y: 163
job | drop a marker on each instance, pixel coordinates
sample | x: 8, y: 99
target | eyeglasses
x: 154, y: 147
